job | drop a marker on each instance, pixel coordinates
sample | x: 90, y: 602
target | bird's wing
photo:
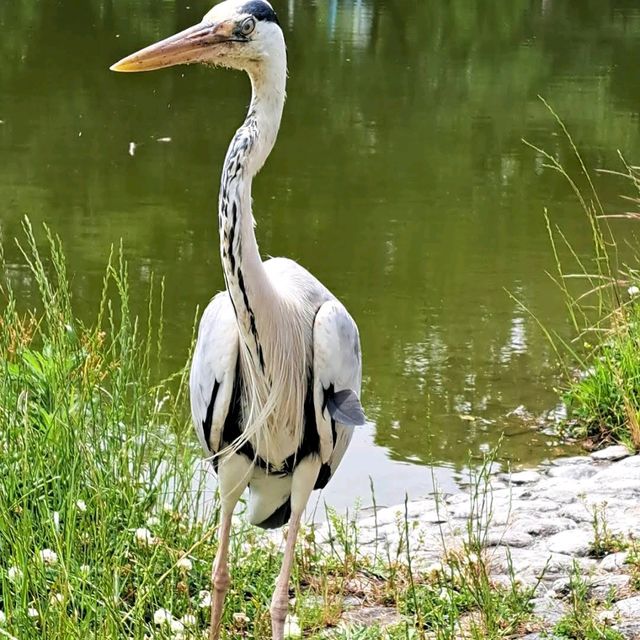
x: 337, y: 375
x: 213, y: 371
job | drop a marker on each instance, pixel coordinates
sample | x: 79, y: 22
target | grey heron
x: 276, y: 373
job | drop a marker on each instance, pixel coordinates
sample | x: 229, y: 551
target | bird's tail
x: 269, y: 500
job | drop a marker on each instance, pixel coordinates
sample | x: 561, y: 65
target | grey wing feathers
x: 337, y: 369
x: 213, y: 371
x: 344, y: 407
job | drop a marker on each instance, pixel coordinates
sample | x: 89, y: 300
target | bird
x: 275, y: 381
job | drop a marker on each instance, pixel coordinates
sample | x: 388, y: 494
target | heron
x: 276, y: 372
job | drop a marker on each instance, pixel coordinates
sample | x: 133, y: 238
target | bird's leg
x: 220, y: 578
x: 280, y: 599
x: 234, y: 472
x: 304, y: 479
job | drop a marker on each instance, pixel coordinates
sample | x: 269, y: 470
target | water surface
x: 400, y: 179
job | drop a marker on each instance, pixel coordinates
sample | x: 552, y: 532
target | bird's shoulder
x: 292, y: 279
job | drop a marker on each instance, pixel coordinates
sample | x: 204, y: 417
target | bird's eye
x: 247, y: 26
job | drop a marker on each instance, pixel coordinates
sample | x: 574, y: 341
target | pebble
x: 614, y: 561
x: 576, y: 542
x: 628, y: 608
x: 611, y: 454
x: 522, y: 477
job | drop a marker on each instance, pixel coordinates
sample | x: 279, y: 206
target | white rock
x: 523, y: 477
x: 628, y: 608
x: 613, y: 561
x: 508, y: 538
x: 575, y: 542
x: 610, y: 584
x: 611, y: 454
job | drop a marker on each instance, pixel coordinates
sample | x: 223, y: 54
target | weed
x: 601, y: 296
x: 604, y: 542
x: 581, y: 622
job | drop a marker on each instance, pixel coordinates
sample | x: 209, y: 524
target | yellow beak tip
x: 120, y: 66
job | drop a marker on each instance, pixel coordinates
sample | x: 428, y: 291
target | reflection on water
x: 400, y: 179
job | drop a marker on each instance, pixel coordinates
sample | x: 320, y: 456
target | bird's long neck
x: 251, y: 290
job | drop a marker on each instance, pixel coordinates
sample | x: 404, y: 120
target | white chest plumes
x: 276, y: 373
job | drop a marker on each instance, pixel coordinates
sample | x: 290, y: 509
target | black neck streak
x: 232, y: 193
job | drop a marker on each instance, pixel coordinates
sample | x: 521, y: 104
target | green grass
x: 581, y: 622
x: 601, y: 361
x: 104, y: 527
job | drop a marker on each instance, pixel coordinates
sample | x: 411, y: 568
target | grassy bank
x: 602, y: 295
x: 104, y: 530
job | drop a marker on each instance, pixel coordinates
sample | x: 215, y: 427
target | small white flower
x: 49, y: 556
x: 241, y: 619
x: 153, y: 521
x: 176, y: 626
x: 81, y: 505
x: 167, y: 507
x: 189, y: 620
x: 292, y: 627
x: 85, y: 569
x: 32, y: 612
x: 56, y: 598
x: 162, y: 617
x: 204, y: 599
x: 144, y: 537
x: 633, y: 290
x: 185, y: 564
x: 3, y: 617
x: 14, y: 574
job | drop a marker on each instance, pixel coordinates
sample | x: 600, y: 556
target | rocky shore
x: 538, y: 526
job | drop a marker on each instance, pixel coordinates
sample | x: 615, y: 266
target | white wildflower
x: 633, y: 290
x: 48, y: 556
x: 189, y: 620
x: 241, y: 619
x: 153, y: 521
x: 185, y: 564
x: 167, y: 507
x: 56, y: 598
x: 176, y: 626
x: 14, y: 574
x: 32, y: 612
x: 162, y: 617
x: 144, y: 537
x: 3, y: 617
x: 204, y: 599
x: 292, y: 627
x: 81, y: 505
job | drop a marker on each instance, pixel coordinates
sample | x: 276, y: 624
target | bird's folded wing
x: 337, y: 372
x: 213, y: 371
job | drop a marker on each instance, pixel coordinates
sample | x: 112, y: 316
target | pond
x: 400, y: 179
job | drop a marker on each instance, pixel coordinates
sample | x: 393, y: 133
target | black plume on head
x: 260, y: 11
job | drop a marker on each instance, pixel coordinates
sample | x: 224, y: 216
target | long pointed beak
x: 185, y: 47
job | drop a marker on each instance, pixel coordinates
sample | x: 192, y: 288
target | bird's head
x: 240, y: 34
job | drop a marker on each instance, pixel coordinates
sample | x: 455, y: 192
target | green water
x: 400, y: 179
